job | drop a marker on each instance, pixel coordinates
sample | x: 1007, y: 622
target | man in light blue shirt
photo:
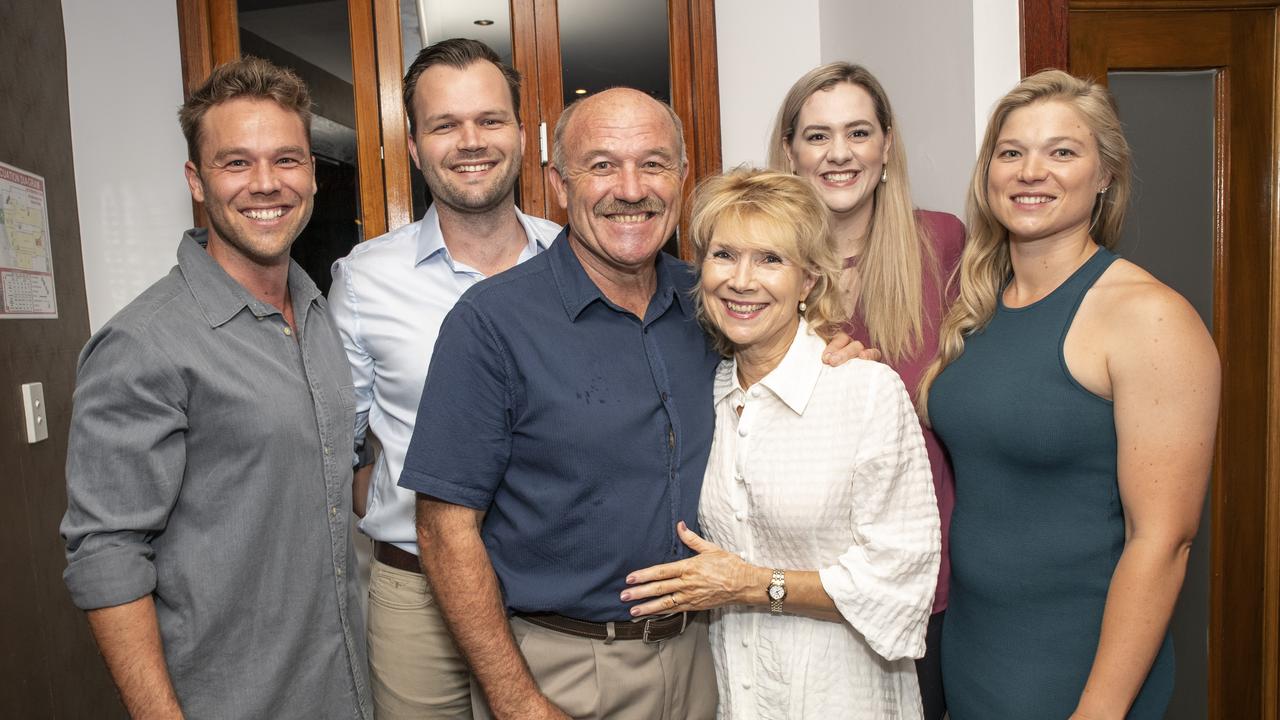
x: 388, y: 299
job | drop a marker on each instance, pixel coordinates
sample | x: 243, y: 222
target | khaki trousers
x: 415, y: 669
x: 622, y: 680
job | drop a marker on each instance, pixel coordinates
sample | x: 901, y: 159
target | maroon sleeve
x: 948, y: 236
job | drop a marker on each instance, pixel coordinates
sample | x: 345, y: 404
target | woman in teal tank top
x: 1078, y: 397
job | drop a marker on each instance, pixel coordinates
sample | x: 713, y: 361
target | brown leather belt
x: 650, y: 630
x: 389, y: 554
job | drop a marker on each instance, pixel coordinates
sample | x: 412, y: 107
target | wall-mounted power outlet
x: 33, y: 407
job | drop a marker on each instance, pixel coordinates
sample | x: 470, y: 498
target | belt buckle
x: 644, y: 636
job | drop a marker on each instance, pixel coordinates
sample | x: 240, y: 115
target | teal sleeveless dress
x: 1038, y: 526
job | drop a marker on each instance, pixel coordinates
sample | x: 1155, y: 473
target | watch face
x: 777, y: 592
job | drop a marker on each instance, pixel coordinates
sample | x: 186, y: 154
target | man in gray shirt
x: 208, y: 468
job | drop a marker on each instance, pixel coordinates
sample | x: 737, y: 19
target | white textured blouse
x: 824, y: 470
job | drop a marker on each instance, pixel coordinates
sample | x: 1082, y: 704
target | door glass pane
x: 1168, y: 119
x: 423, y: 22
x: 612, y: 43
x: 606, y: 43
x: 312, y: 39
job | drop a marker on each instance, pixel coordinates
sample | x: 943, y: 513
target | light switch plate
x: 33, y: 407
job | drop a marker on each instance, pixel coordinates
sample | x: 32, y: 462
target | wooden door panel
x: 1240, y: 43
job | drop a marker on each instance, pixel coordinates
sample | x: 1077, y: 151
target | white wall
x: 942, y: 63
x: 920, y: 51
x: 125, y: 85
x: 997, y: 57
x: 762, y: 47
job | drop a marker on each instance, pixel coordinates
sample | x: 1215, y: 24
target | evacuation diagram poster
x: 26, y: 260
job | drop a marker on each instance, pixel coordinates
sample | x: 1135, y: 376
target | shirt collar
x: 795, y: 378
x: 431, y: 238
x: 577, y: 290
x: 219, y: 296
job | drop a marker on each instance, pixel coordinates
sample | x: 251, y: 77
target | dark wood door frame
x: 1244, y: 613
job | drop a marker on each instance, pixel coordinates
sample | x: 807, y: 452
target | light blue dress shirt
x: 388, y: 299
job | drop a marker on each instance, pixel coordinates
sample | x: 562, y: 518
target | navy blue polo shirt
x: 582, y: 430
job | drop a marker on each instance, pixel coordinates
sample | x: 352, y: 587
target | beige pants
x: 415, y: 669
x: 623, y: 680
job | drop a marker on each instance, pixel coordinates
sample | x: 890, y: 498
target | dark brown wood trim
x: 534, y: 195
x: 1221, y: 219
x: 364, y: 73
x: 1043, y: 30
x: 394, y: 126
x: 1153, y: 5
x: 224, y: 30
x: 1271, y: 596
x: 551, y: 90
x: 706, y: 88
x: 679, y: 53
x: 194, y: 43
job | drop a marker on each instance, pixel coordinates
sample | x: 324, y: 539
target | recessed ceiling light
x: 484, y: 23
x: 580, y: 91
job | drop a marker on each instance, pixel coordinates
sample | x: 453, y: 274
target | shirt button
x: 339, y: 572
x: 755, y: 392
x: 746, y: 642
x: 333, y: 511
x: 742, y: 554
x: 664, y: 397
x: 746, y: 684
x: 740, y: 515
x: 739, y: 478
x: 742, y: 431
x: 327, y: 450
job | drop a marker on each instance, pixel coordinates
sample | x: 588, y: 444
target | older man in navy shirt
x: 563, y: 432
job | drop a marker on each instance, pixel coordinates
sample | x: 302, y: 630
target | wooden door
x: 1237, y: 41
x: 536, y: 54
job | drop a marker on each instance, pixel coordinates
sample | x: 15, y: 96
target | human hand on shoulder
x: 842, y: 348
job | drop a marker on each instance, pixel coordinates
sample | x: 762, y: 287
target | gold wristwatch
x: 777, y: 591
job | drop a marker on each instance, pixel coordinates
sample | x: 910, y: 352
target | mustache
x: 614, y: 206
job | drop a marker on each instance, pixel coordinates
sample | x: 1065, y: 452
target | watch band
x: 778, y: 596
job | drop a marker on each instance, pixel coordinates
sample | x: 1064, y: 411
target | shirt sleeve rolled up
x: 125, y: 459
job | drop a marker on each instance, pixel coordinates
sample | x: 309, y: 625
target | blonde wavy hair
x: 898, y: 252
x: 985, y: 266
x: 791, y: 221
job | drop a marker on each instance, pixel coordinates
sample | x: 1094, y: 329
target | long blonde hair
x: 793, y: 219
x: 898, y: 252
x: 985, y: 264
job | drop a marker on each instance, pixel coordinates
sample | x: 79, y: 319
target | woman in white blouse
x: 822, y: 530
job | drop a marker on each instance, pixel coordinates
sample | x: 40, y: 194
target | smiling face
x: 840, y: 148
x: 256, y: 178
x: 751, y: 290
x: 621, y: 180
x: 468, y: 143
x: 1045, y: 173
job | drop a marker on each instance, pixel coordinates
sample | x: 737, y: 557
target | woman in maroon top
x: 836, y: 129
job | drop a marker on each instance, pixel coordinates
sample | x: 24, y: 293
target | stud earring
x: 1104, y: 190
x: 884, y: 173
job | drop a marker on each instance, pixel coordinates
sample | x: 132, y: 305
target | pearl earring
x: 803, y: 307
x: 884, y: 173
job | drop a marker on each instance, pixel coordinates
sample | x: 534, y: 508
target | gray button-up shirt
x: 209, y: 465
